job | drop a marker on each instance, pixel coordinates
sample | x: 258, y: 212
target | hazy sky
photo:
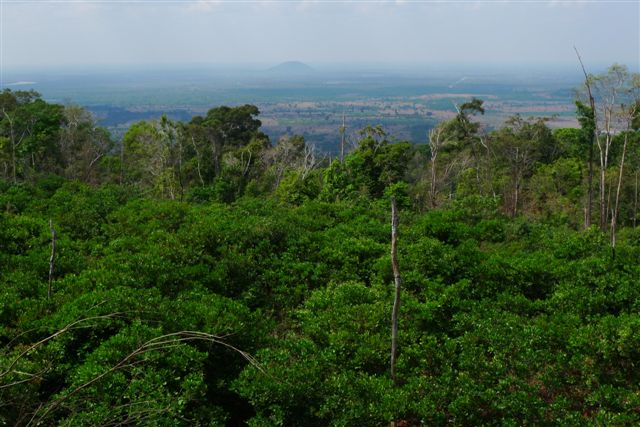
x: 63, y: 33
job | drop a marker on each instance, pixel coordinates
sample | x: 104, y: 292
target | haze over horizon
x: 264, y: 33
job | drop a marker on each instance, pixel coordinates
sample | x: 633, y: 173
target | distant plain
x: 295, y: 98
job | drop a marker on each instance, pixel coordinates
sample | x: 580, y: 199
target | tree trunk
x: 608, y: 209
x: 592, y: 104
x: 396, y: 300
x: 122, y: 163
x: 603, y: 190
x: 433, y: 186
x: 613, y: 233
x: 587, y: 222
x: 12, y: 137
x: 195, y: 147
x: 516, y: 197
x: 343, y: 129
x: 180, y: 177
x: 217, y: 154
x: 13, y: 160
x: 434, y: 147
x: 52, y: 259
x: 397, y: 281
x: 635, y: 202
x: 516, y: 184
x: 616, y: 208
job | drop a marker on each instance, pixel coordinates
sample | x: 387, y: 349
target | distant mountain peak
x: 292, y: 67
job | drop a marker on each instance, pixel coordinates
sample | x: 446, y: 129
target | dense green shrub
x: 503, y: 321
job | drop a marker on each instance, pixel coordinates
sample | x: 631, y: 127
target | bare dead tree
x: 397, y: 281
x: 310, y: 160
x: 171, y: 157
x: 436, y: 141
x: 592, y: 105
x: 343, y: 130
x: 52, y: 259
x: 282, y: 156
x: 516, y: 183
x: 521, y: 161
x: 292, y: 154
x: 610, y: 88
x: 15, y: 142
x: 82, y: 144
x: 635, y: 202
x: 195, y: 148
x: 246, y: 165
x: 122, y: 166
x: 616, y: 207
x: 396, y: 299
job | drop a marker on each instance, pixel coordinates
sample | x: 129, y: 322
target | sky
x: 49, y: 34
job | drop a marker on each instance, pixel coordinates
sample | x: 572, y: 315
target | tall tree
x: 230, y: 127
x: 397, y: 284
x: 629, y: 113
x: 153, y: 157
x: 522, y: 143
x: 588, y: 122
x: 83, y: 144
x: 467, y: 133
x: 29, y: 130
x: 607, y: 93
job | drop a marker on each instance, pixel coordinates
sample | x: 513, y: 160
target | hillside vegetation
x: 194, y: 273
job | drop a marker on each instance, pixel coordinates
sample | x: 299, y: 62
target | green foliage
x: 295, y: 189
x: 328, y: 372
x: 501, y: 319
x: 572, y: 142
x: 368, y: 170
x: 225, y: 281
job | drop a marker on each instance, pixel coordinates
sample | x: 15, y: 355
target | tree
x: 629, y: 113
x: 375, y: 164
x: 588, y: 122
x: 467, y: 134
x: 29, y: 128
x: 522, y: 143
x: 607, y: 94
x: 83, y: 144
x: 436, y: 141
x: 230, y: 127
x: 152, y: 157
x: 397, y: 283
x: 286, y: 155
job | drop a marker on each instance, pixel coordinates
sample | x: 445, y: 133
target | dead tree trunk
x: 343, y: 129
x: 607, y: 206
x: 592, y: 105
x: 516, y: 184
x: 397, y: 281
x: 587, y: 222
x: 14, y: 146
x: 435, y: 142
x: 635, y: 202
x: 122, y: 163
x: 396, y: 299
x: 616, y: 206
x: 195, y: 148
x: 52, y: 260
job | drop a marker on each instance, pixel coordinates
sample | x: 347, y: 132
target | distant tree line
x: 527, y: 167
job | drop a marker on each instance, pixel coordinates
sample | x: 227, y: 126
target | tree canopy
x: 205, y: 275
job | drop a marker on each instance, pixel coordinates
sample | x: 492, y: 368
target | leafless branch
x: 162, y: 342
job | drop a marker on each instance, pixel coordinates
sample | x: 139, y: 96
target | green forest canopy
x: 204, y: 276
